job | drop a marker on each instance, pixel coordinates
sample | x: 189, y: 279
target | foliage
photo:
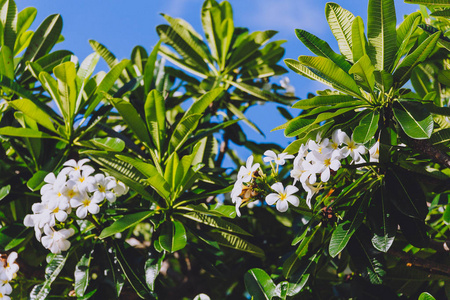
x: 371, y: 224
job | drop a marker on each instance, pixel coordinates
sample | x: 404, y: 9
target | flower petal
x: 290, y: 189
x: 282, y: 206
x: 272, y: 198
x: 278, y: 187
x: 293, y: 200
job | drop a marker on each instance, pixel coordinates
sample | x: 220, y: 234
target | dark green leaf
x: 173, y: 236
x: 259, y: 284
x: 414, y: 119
x: 366, y: 128
x: 125, y: 222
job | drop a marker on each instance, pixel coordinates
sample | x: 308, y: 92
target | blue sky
x: 121, y: 25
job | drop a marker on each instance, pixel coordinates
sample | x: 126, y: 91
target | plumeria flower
x: 84, y: 204
x: 279, y: 159
x: 120, y: 188
x: 311, y: 190
x: 282, y: 196
x: 74, y: 166
x: 236, y: 191
x: 238, y: 202
x: 5, y: 290
x: 245, y: 173
x: 374, y: 152
x: 318, y: 147
x: 56, y: 241
x: 104, y: 188
x: 10, y: 270
x: 54, y: 186
x: 323, y: 164
x: 354, y: 150
x: 83, y: 180
x: 34, y: 221
x: 302, y: 171
x: 337, y: 139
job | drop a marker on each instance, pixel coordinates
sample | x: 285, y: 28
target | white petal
x: 335, y: 165
x: 293, y: 200
x: 249, y: 162
x: 278, y: 187
x: 325, y: 175
x: 282, y: 206
x: 81, y: 212
x: 71, y: 163
x: 290, y: 189
x: 272, y: 198
x: 50, y: 178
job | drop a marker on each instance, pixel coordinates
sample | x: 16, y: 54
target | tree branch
x: 411, y: 260
x: 426, y: 148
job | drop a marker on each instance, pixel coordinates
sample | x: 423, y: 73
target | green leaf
x: 363, y: 73
x: 152, y: 268
x: 403, y: 72
x: 237, y: 112
x: 211, y: 22
x: 86, y: 68
x: 34, y: 112
x: 24, y: 132
x: 43, y: 40
x: 81, y: 275
x: 173, y: 236
x: 46, y: 63
x: 429, y: 2
x: 414, y: 119
x: 259, y: 284
x: 67, y: 89
x: 359, y: 41
x: 106, y: 84
x: 183, y: 131
x: 321, y: 48
x: 138, y: 285
x: 425, y: 295
x: 4, y: 191
x: 344, y: 231
x: 382, y: 221
x: 155, y: 115
x: 235, y: 242
x: 37, y: 180
x: 366, y: 128
x: 329, y: 71
x: 382, y: 33
x: 215, y: 222
x: 107, y: 55
x: 441, y: 13
x: 406, y: 36
x: 441, y: 136
x: 8, y: 16
x: 127, y: 221
x: 109, y: 144
x: 340, y: 21
x: 255, y: 91
x: 132, y: 118
x: 55, y: 264
x: 406, y: 194
x: 6, y: 62
x: 150, y: 67
x: 25, y: 18
x: 322, y: 100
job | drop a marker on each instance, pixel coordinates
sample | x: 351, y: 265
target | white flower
x: 318, y: 147
x: 237, y: 190
x: 84, y: 181
x: 5, y: 290
x: 354, y: 150
x: 245, y: 173
x: 120, y: 188
x: 238, y: 202
x: 34, y: 221
x: 374, y: 152
x: 10, y: 270
x: 279, y: 159
x: 104, y: 188
x: 311, y: 190
x: 282, y: 196
x: 74, y: 166
x: 302, y: 171
x: 84, y: 204
x: 56, y: 241
x: 337, y: 139
x: 323, y: 163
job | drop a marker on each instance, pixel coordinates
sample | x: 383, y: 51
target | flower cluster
x: 74, y: 188
x: 313, y: 165
x: 8, y: 271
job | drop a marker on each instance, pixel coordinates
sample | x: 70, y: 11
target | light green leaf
x: 109, y: 144
x: 405, y: 35
x: 55, y: 264
x: 331, y: 72
x: 132, y: 118
x: 363, y: 73
x: 321, y: 48
x: 382, y: 34
x: 340, y: 21
x: 359, y: 40
x: 67, y: 88
x: 152, y: 268
x: 25, y: 18
x: 46, y: 63
x: 173, y: 236
x: 34, y: 112
x: 43, y: 40
x: 155, y: 115
x: 322, y: 101
x: 366, y: 128
x: 125, y: 222
x: 425, y: 295
x: 414, y: 119
x: 215, y: 222
x: 25, y: 132
x: 6, y: 62
x: 256, y: 92
x: 150, y: 67
x: 259, y: 285
x: 183, y: 131
x: 235, y: 242
x: 4, y: 191
x: 211, y: 22
x: 403, y: 72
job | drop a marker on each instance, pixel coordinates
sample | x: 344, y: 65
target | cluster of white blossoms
x: 313, y: 166
x: 74, y: 188
x: 8, y: 271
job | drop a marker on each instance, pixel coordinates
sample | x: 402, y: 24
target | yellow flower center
x: 334, y: 146
x: 71, y: 194
x: 56, y: 209
x: 283, y: 196
x: 81, y: 179
x: 351, y: 145
x: 86, y: 202
x: 101, y: 189
x: 327, y: 162
x: 59, y: 194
